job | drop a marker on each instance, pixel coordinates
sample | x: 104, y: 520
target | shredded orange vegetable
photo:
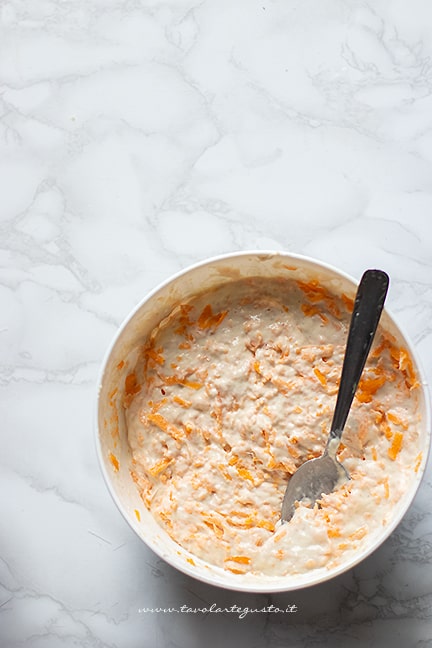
x: 156, y: 356
x: 224, y: 472
x: 131, y: 384
x: 176, y: 380
x: 243, y: 560
x: 315, y: 292
x: 397, y: 420
x: 209, y: 320
x: 349, y: 303
x: 396, y: 445
x: 185, y: 322
x: 406, y: 366
x: 215, y: 525
x: 418, y: 462
x: 280, y: 535
x: 358, y: 534
x: 266, y: 524
x: 114, y: 461
x: 165, y: 425
x: 321, y: 377
x: 160, y: 466
x: 184, y: 345
x: 181, y: 402
x: 247, y: 523
x: 257, y: 367
x: 385, y: 427
x: 281, y: 465
x: 310, y: 310
x: 368, y: 386
x: 293, y: 452
x: 244, y: 473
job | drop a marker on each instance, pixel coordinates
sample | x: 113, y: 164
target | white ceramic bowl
x: 111, y: 434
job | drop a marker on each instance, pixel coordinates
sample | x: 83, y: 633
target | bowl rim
x: 266, y: 584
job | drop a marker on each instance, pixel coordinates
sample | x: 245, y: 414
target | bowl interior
x: 112, y: 444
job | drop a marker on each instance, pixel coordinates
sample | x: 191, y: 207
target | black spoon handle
x: 369, y: 302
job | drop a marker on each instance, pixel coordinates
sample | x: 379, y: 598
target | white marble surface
x: 139, y: 136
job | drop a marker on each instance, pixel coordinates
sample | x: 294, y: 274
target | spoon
x: 319, y: 476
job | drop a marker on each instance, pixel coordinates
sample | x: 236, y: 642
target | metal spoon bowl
x: 317, y: 477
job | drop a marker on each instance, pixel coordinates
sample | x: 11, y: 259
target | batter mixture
x: 234, y: 391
